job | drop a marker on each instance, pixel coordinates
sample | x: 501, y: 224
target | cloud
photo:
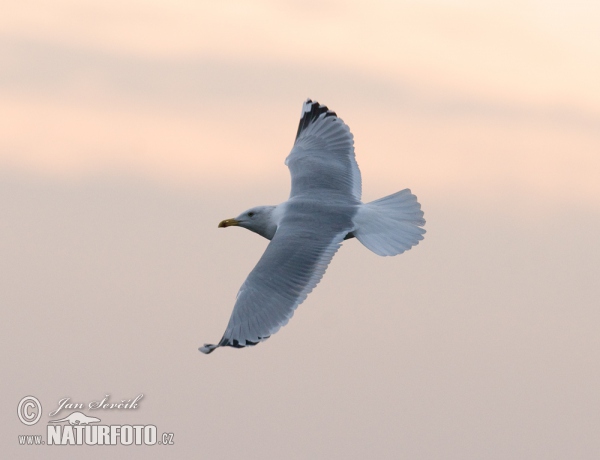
x: 81, y: 75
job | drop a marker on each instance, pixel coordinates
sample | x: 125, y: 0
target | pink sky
x: 453, y: 93
x: 129, y: 129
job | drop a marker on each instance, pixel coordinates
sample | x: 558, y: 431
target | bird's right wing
x: 291, y: 266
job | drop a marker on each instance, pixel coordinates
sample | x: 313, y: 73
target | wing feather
x: 290, y: 268
x: 323, y: 158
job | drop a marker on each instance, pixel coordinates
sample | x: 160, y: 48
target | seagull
x: 323, y: 210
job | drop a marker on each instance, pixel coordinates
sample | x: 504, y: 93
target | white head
x: 258, y: 220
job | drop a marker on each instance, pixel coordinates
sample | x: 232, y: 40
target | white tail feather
x: 390, y: 225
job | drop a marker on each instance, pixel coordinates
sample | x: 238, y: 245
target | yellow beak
x: 228, y: 223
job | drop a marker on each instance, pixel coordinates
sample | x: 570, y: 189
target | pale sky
x: 131, y: 128
x: 179, y: 91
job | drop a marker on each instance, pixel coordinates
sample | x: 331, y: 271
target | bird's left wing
x: 291, y: 266
x: 322, y: 159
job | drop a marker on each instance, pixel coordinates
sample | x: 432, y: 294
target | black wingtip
x: 311, y: 111
x: 208, y: 348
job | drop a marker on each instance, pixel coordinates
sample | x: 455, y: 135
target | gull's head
x: 258, y: 220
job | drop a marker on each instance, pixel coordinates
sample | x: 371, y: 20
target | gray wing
x: 322, y: 158
x: 291, y: 266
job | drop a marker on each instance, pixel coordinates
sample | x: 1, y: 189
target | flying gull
x: 323, y: 210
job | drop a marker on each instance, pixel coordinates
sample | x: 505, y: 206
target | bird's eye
x: 250, y: 214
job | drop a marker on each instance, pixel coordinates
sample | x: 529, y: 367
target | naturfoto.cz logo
x: 78, y: 428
